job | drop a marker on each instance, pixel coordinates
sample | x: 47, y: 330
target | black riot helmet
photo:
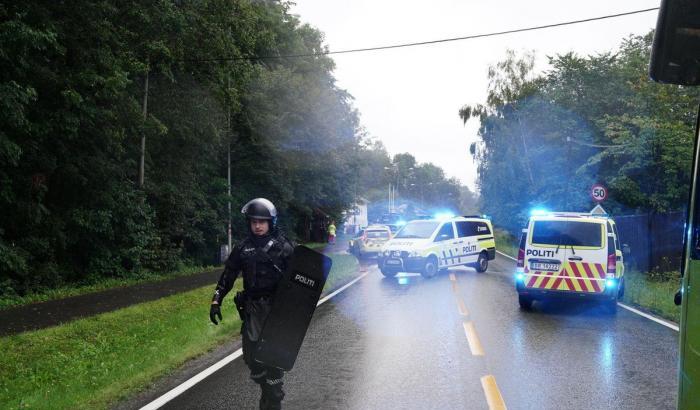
x: 261, y: 208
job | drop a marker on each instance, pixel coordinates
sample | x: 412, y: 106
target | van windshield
x: 379, y: 234
x: 417, y: 229
x: 567, y: 233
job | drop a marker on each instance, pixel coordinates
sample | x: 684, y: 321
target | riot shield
x: 293, y: 306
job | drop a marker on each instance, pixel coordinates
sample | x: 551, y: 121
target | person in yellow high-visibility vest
x: 331, y: 232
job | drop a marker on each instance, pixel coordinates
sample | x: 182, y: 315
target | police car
x: 370, y: 241
x: 427, y: 246
x: 570, y: 255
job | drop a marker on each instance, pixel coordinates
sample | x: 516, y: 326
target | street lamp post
x: 392, y: 190
x: 422, y: 196
x: 394, y: 186
x: 421, y: 193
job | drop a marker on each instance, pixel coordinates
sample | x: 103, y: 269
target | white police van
x: 427, y: 246
x: 570, y: 255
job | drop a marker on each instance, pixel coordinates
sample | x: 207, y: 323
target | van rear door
x: 566, y: 254
x: 587, y: 256
x: 544, y: 257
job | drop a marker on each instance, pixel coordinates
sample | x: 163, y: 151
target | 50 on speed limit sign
x: 599, y: 193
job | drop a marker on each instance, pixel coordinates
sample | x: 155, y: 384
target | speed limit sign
x: 599, y: 193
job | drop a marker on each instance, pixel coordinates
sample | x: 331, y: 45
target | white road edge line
x: 507, y: 256
x: 162, y: 400
x: 650, y: 317
x: 630, y: 308
x: 170, y: 395
x: 352, y: 282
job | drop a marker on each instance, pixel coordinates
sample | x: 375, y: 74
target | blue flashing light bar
x: 538, y: 212
x: 441, y: 216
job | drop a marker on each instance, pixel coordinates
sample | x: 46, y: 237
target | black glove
x: 215, y: 311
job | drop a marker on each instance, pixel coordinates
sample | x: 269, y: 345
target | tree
x: 72, y: 86
x: 546, y: 138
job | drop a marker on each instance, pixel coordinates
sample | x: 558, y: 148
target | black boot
x: 268, y: 403
x: 272, y: 396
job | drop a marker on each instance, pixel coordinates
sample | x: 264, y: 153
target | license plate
x: 544, y: 266
x: 393, y: 262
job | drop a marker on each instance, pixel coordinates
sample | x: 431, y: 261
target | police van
x: 370, y: 241
x: 428, y: 246
x: 570, y: 255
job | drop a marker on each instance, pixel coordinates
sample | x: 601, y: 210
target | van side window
x: 468, y: 228
x: 612, y: 229
x: 482, y: 228
x: 447, y: 231
x: 617, y: 238
x: 464, y: 229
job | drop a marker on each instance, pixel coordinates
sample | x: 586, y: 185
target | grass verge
x: 100, y: 285
x: 345, y: 268
x: 318, y: 246
x: 506, y: 242
x: 656, y: 297
x: 93, y: 362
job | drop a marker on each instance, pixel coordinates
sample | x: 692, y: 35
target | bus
x: 675, y: 60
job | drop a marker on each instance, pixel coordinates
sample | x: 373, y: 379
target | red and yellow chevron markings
x: 573, y: 277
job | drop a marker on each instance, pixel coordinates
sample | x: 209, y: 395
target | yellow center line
x: 462, y: 309
x: 453, y: 278
x: 493, y: 395
x: 473, y: 339
x: 454, y: 287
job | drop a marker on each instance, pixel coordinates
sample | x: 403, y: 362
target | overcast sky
x: 409, y: 98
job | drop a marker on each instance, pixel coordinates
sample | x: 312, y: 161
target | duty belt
x: 257, y: 294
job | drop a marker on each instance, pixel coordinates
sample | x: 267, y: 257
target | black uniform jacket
x: 260, y: 260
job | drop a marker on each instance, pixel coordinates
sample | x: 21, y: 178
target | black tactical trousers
x: 269, y: 378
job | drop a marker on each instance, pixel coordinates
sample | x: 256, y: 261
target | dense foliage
x: 72, y: 88
x: 546, y: 139
x: 81, y: 84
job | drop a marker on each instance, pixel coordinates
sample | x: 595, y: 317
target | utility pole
x: 142, y: 166
x: 228, y: 162
x: 228, y: 230
x: 391, y: 191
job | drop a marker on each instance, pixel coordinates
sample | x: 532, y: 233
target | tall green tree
x: 546, y: 138
x: 72, y: 93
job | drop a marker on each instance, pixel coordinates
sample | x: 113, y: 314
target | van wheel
x: 482, y: 263
x: 388, y: 273
x: 431, y: 267
x: 525, y: 302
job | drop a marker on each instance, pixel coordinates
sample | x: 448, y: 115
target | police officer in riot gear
x: 260, y: 259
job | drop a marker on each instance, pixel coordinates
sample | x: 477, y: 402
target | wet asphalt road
x: 401, y: 343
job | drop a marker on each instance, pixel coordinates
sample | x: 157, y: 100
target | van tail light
x: 612, y: 258
x: 521, y: 250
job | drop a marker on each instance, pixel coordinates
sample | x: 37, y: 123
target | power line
x: 429, y: 42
